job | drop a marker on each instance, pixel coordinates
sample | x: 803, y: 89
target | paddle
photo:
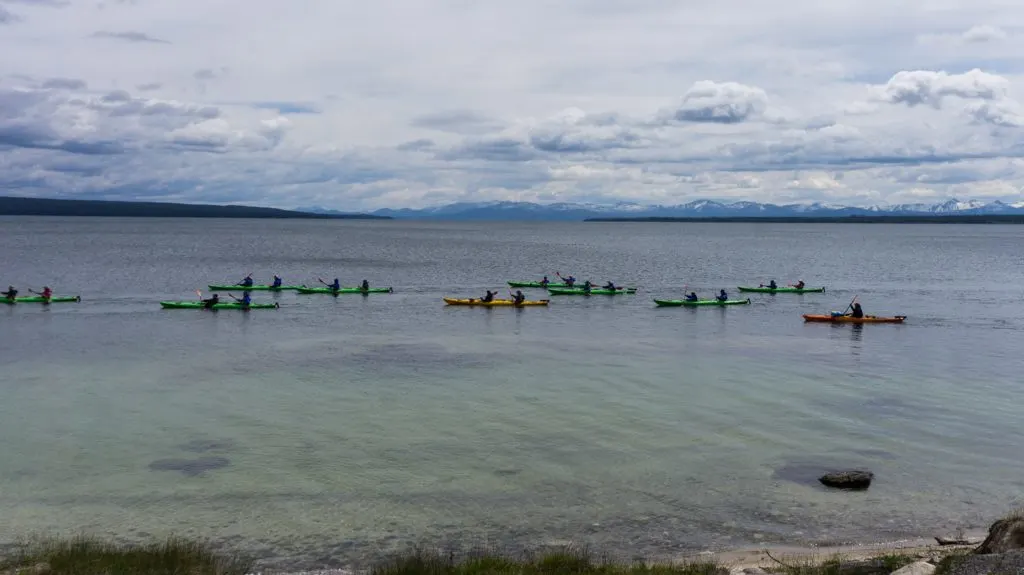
x: 851, y: 303
x: 199, y: 293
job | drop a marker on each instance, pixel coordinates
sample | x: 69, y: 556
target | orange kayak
x: 850, y: 319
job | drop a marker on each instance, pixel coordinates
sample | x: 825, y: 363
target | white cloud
x: 650, y: 101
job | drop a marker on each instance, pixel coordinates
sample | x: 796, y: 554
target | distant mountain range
x: 526, y: 211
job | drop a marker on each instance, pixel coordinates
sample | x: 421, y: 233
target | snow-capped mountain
x: 503, y: 210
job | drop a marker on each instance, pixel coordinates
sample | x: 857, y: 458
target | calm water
x: 334, y: 429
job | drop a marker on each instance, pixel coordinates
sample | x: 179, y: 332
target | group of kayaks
x: 572, y: 288
x: 247, y: 285
x: 562, y: 288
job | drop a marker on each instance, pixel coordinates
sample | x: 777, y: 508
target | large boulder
x: 853, y: 479
x: 1004, y: 535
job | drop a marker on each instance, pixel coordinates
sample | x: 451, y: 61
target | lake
x: 336, y: 429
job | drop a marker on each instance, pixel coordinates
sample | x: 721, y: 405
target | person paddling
x: 11, y: 293
x: 692, y: 297
x: 277, y: 282
x: 212, y: 301
x: 336, y: 286
x: 722, y: 296
x: 518, y: 298
x: 365, y: 286
x: 544, y: 282
x: 489, y: 297
x: 857, y: 312
x: 46, y: 294
x: 245, y: 300
x: 610, y: 286
x: 587, y: 286
x: 246, y: 281
x: 799, y: 285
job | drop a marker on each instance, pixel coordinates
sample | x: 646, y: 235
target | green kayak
x: 593, y: 291
x: 201, y: 305
x: 537, y: 285
x: 326, y: 290
x: 781, y: 290
x: 39, y: 299
x: 215, y: 287
x: 684, y: 303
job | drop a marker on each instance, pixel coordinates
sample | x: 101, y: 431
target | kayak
x: 254, y: 287
x: 781, y: 289
x: 683, y: 302
x: 39, y: 299
x: 326, y: 290
x: 537, y: 285
x: 200, y: 305
x: 850, y: 319
x: 593, y: 291
x: 493, y: 303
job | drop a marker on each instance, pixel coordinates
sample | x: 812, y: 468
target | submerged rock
x: 190, y: 467
x: 1004, y: 535
x: 854, y: 479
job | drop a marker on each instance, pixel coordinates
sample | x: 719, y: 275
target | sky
x: 413, y: 103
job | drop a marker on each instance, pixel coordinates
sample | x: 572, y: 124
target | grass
x: 566, y: 562
x: 88, y: 556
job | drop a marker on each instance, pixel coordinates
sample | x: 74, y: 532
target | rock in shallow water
x: 855, y: 479
x: 190, y: 467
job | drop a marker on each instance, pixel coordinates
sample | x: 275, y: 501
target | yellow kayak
x: 494, y: 302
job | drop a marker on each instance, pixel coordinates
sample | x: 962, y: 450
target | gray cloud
x: 8, y: 17
x: 50, y: 3
x: 152, y: 86
x: 130, y: 37
x: 720, y: 103
x: 289, y: 107
x: 209, y: 74
x: 927, y: 87
x: 64, y: 84
x: 458, y: 122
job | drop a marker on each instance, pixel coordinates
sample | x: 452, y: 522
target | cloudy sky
x: 408, y: 103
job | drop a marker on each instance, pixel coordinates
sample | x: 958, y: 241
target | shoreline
x: 752, y: 557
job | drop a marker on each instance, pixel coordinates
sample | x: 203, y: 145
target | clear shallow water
x: 334, y: 429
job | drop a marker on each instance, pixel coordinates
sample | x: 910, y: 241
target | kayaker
x: 246, y: 281
x: 47, y: 293
x: 489, y: 297
x: 336, y: 286
x: 245, y: 300
x: 210, y: 302
x: 800, y: 284
x: 773, y: 285
x: 722, y: 296
x: 365, y: 286
x: 544, y: 282
x: 11, y: 293
x: 692, y: 297
x: 570, y: 281
x: 857, y: 311
x: 587, y: 286
x: 277, y: 282
x: 518, y: 298
x: 610, y: 286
